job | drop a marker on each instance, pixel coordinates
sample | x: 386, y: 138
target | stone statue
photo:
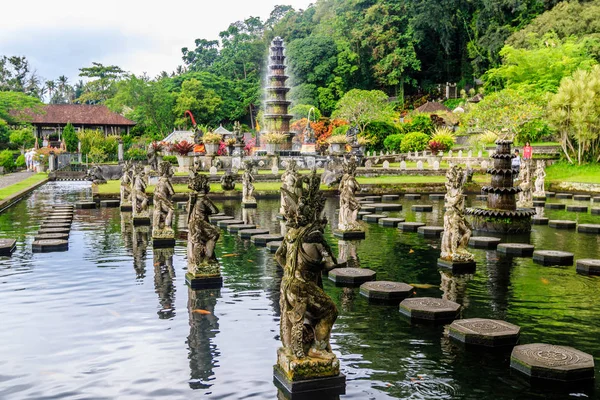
x: 526, y: 185
x: 163, y: 204
x: 198, y: 134
x: 202, y: 236
x: 94, y: 174
x: 152, y: 152
x: 349, y: 206
x: 457, y: 230
x: 139, y: 198
x: 228, y: 180
x: 307, y: 312
x: 352, y: 135
x: 291, y: 180
x: 334, y: 170
x: 126, y: 180
x: 237, y: 132
x: 247, y: 186
x: 540, y: 176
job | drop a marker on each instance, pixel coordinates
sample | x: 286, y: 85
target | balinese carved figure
x: 526, y: 185
x: 163, y: 203
x: 349, y: 206
x: 247, y: 184
x: 139, y: 198
x: 126, y: 181
x: 228, y: 180
x: 540, y: 177
x: 291, y: 180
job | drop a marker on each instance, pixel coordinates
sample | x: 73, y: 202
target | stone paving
x: 16, y: 177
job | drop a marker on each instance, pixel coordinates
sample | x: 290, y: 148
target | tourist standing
x: 516, y: 163
x: 527, y: 151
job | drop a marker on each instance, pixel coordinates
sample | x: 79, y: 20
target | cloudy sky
x: 58, y: 37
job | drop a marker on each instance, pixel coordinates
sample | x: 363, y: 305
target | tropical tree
x: 23, y: 138
x: 70, y: 138
x: 361, y: 107
x: 102, y: 85
x: 202, y: 102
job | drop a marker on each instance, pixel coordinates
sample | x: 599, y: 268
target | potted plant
x: 273, y: 141
x: 211, y: 142
x: 230, y: 143
x: 182, y: 149
x: 337, y: 144
x: 362, y: 143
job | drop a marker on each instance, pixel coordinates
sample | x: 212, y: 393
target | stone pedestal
x: 163, y: 239
x: 554, y: 363
x: 126, y: 207
x: 206, y: 276
x: 141, y: 220
x: 7, y: 246
x: 458, y: 267
x: 349, y: 234
x: 484, y: 332
x: 249, y: 205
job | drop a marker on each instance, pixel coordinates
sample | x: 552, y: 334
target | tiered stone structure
x: 277, y: 119
x: 501, y: 214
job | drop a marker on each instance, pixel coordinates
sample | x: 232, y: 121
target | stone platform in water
x: 481, y: 197
x: 410, y: 226
x: 484, y: 332
x: 85, y: 204
x: 457, y: 267
x: 386, y: 291
x: 262, y: 240
x: 577, y: 208
x: 110, y: 203
x: 588, y: 228
x: 595, y: 211
x: 422, y: 207
x: 564, y: 196
x: 516, y: 249
x: 562, y: 224
x: 596, y: 199
x: 388, y: 221
x: 249, y: 205
x: 42, y: 231
x: 248, y: 233
x: 239, y: 227
x: 141, y: 221
x: 47, y: 236
x: 351, y: 276
x: 48, y: 245
x: 539, y: 220
x: 437, y: 196
x: 349, y: 234
x: 212, y: 282
x: 163, y: 243
x: 367, y: 208
x: 387, y: 206
x: 361, y: 214
x: 213, y: 219
x: 555, y: 206
x: 373, y: 217
x: 550, y: 362
x: 550, y: 194
x: 430, y: 309
x: 412, y: 196
x: 588, y: 266
x: 273, y: 246
x: 7, y: 246
x: 582, y: 197
x: 430, y: 231
x: 57, y: 222
x: 371, y: 198
x: 224, y: 223
x: 484, y: 242
x: 390, y: 197
x: 126, y: 208
x: 308, y: 378
x: 553, y: 257
x: 539, y: 203
x: 58, y: 217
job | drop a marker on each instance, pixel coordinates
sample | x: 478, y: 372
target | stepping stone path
x: 240, y: 227
x: 553, y: 257
x: 422, y: 208
x: 595, y: 211
x: 588, y: 266
x: 484, y: 242
x: 371, y: 198
x: 224, y: 223
x: 262, y: 240
x: 373, y: 217
x: 85, y: 205
x: 54, y: 217
x: 564, y: 196
x: 248, y: 233
x: 273, y: 246
x: 387, y: 206
x: 43, y: 231
x: 582, y: 197
x: 390, y: 197
x: 412, y: 196
x: 361, y: 214
x: 47, y: 245
x: 366, y: 201
x: 588, y: 228
x: 367, y: 208
x: 484, y: 332
x: 555, y: 206
x: 386, y: 291
x: 596, y: 200
x: 351, y: 276
x: 410, y: 226
x: 393, y: 222
x: 516, y: 249
x: 437, y: 196
x: 550, y: 194
x: 46, y: 236
x: 539, y: 220
x: 551, y: 362
x: 430, y: 231
x: 577, y: 208
x: 7, y: 246
x: 539, y: 203
x: 562, y: 224
x: 429, y: 309
x: 216, y: 218
x: 110, y: 203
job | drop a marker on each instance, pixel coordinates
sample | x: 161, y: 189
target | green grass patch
x: 24, y: 184
x: 562, y: 171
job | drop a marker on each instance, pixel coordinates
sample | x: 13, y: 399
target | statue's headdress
x: 199, y: 183
x: 306, y: 208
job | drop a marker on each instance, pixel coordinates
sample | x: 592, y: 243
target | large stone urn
x: 272, y: 148
x: 184, y: 163
x: 211, y: 148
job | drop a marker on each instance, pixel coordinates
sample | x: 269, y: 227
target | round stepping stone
x: 553, y: 257
x: 551, y: 362
x: 595, y: 211
x: 555, y: 206
x: 372, y: 198
x: 373, y: 217
x: 367, y: 208
x: 390, y: 197
x: 588, y: 266
x: 248, y: 233
x: 422, y: 208
x: 393, y: 222
x: 216, y: 218
x: 430, y: 309
x: 588, y: 228
x: 484, y: 332
x: 47, y: 245
x: 539, y: 221
x: 224, y: 223
x: 516, y: 249
x: 61, y: 212
x: 484, y: 242
x: 54, y: 230
x: 430, y: 231
x: 239, y: 227
x: 61, y: 222
x: 481, y: 197
x: 596, y: 200
x: 412, y: 196
x: 58, y: 217
x: 437, y: 196
x: 361, y: 214
x: 273, y: 246
x: 46, y: 236
x: 85, y: 205
x: 262, y: 240
x: 110, y: 203
x: 7, y: 246
x: 550, y: 194
x: 577, y: 208
x: 351, y: 276
x: 387, y: 206
x: 366, y: 201
x: 582, y: 197
x: 539, y: 203
x: 564, y: 196
x: 410, y: 226
x: 386, y: 291
x: 562, y: 224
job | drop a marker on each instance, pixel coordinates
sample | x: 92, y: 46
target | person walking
x: 527, y: 151
x: 516, y: 164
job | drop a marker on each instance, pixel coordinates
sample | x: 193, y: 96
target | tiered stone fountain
x: 276, y: 117
x: 501, y: 214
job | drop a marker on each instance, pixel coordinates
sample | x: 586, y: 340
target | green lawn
x: 24, y: 184
x: 564, y: 172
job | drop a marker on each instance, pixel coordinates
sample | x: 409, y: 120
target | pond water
x: 111, y: 319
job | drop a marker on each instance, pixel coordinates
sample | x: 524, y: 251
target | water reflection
x: 347, y: 253
x: 164, y: 273
x: 454, y: 287
x: 140, y: 247
x: 249, y: 216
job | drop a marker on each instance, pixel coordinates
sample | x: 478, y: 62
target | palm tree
x: 50, y: 85
x: 62, y: 83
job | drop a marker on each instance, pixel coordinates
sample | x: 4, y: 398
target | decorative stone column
x: 120, y: 151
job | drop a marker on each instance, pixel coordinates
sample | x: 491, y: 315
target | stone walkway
x: 16, y: 177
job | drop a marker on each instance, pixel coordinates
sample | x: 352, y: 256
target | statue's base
x: 458, y: 267
x: 349, y: 234
x: 163, y: 242
x: 141, y: 221
x: 249, y: 205
x: 196, y: 282
x: 126, y: 208
x: 309, y: 389
x: 301, y: 369
x: 308, y: 148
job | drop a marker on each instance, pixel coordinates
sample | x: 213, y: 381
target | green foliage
x: 414, y: 141
x: 102, y: 84
x: 419, y: 122
x: 202, y: 102
x: 445, y: 138
x: 97, y: 155
x: 170, y: 159
x: 453, y: 103
x: 340, y: 130
x: 70, y: 138
x: 377, y: 131
x: 393, y: 142
x: 362, y: 107
x: 15, y: 102
x: 300, y: 111
x: 135, y: 154
x: 22, y: 138
x: 7, y: 160
x: 533, y: 131
x: 90, y: 138
x: 20, y: 161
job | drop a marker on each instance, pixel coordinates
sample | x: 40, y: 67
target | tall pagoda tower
x: 276, y: 117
